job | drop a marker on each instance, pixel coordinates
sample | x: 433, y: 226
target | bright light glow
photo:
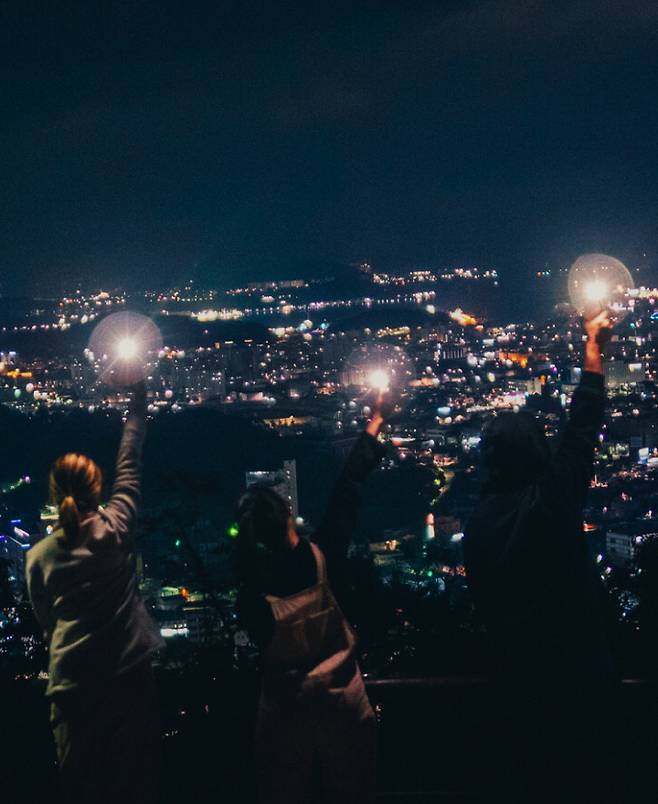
x: 596, y: 290
x: 379, y: 380
x: 600, y: 281
x: 127, y: 348
x: 124, y: 342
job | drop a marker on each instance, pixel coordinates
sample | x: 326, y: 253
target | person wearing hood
x: 537, y: 591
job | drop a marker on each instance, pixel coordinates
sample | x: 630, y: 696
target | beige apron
x: 316, y: 728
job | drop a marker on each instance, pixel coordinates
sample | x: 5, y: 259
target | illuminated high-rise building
x: 429, y: 526
x: 283, y: 481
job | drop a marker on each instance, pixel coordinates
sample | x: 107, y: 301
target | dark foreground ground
x: 434, y: 742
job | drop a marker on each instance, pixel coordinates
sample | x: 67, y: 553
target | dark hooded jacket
x: 534, y: 584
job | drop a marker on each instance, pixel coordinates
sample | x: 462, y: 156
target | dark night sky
x: 144, y: 141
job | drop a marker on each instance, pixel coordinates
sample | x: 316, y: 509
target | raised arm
x: 567, y: 481
x: 335, y: 532
x: 121, y: 510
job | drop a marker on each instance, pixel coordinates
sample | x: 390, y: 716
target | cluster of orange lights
x: 516, y: 357
x: 16, y: 374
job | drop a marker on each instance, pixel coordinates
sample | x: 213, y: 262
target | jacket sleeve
x: 567, y: 480
x: 121, y: 510
x: 334, y: 535
x: 41, y: 603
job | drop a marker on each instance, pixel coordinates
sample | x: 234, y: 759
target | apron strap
x: 320, y: 563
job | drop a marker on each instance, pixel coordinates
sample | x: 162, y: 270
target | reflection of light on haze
x: 379, y: 380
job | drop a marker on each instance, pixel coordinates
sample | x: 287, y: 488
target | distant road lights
x: 598, y: 280
x: 379, y: 380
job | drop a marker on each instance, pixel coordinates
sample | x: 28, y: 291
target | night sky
x: 144, y: 143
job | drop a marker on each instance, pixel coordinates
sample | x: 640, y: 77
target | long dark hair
x: 514, y: 452
x: 262, y: 518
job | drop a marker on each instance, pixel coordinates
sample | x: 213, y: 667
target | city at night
x: 328, y: 402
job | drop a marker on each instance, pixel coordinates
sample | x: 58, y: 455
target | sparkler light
x: 123, y: 342
x: 378, y: 367
x: 599, y: 281
x: 127, y: 348
x: 379, y: 380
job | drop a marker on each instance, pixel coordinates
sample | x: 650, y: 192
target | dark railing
x: 433, y: 734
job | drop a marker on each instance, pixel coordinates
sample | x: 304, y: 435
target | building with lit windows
x: 283, y: 481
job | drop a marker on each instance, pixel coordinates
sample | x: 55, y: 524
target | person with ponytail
x: 83, y: 588
x: 316, y: 728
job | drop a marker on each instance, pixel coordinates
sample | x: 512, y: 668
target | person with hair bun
x: 83, y: 588
x: 316, y: 729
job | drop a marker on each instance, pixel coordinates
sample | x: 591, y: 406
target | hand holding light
x: 596, y: 282
x: 379, y: 380
x: 598, y: 328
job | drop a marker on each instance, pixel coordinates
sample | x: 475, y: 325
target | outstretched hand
x: 384, y: 404
x: 599, y: 329
x: 383, y: 407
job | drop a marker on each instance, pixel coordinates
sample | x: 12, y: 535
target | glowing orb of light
x: 168, y: 393
x: 125, y: 340
x: 599, y: 281
x: 127, y: 348
x: 379, y: 380
x: 17, y: 393
x: 596, y: 290
x: 29, y: 387
x: 377, y: 367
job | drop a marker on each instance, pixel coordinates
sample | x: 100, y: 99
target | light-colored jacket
x: 86, y: 597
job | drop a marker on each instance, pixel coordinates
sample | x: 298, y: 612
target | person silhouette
x: 316, y: 728
x: 539, y: 595
x: 83, y: 587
